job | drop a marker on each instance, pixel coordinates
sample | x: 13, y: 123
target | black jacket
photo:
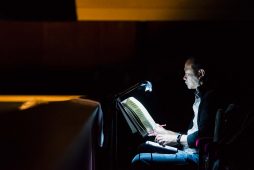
x: 209, y: 104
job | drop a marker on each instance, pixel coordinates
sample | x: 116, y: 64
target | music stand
x: 143, y: 85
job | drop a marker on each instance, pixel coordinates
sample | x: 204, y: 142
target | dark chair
x: 209, y: 148
x: 227, y: 149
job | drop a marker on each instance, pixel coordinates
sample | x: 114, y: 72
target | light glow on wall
x: 150, y: 10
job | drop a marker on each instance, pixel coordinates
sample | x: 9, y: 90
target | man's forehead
x: 187, y: 66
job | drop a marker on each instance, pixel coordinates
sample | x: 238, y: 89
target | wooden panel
x: 148, y: 10
x: 64, y: 45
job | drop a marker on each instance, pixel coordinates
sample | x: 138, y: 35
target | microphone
x: 146, y: 85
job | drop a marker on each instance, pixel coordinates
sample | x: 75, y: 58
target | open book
x: 137, y: 116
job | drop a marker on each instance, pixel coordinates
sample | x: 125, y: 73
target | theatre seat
x: 51, y: 135
x: 229, y: 148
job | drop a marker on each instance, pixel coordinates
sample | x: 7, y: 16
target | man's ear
x: 201, y: 73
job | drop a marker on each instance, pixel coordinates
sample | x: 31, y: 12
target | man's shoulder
x: 207, y: 91
x: 214, y: 95
x: 220, y: 97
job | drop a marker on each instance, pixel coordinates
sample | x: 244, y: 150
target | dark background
x: 106, y: 57
x: 98, y: 59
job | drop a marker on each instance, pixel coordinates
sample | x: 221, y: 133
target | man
x: 202, y: 125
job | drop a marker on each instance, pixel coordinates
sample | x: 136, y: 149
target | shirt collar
x: 199, y: 91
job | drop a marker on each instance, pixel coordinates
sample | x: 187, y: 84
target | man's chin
x: 188, y: 86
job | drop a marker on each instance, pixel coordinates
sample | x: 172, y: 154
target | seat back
x: 227, y: 123
x: 224, y: 129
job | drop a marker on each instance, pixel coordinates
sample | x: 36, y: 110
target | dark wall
x: 62, y: 57
x: 100, y: 59
x: 81, y: 57
x: 58, y: 10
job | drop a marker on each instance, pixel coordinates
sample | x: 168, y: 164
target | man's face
x: 190, y: 78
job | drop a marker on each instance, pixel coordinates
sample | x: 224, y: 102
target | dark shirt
x: 209, y: 104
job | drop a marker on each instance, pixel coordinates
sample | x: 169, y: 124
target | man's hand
x: 159, y: 129
x: 166, y: 139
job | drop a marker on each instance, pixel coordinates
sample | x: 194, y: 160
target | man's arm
x: 183, y: 140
